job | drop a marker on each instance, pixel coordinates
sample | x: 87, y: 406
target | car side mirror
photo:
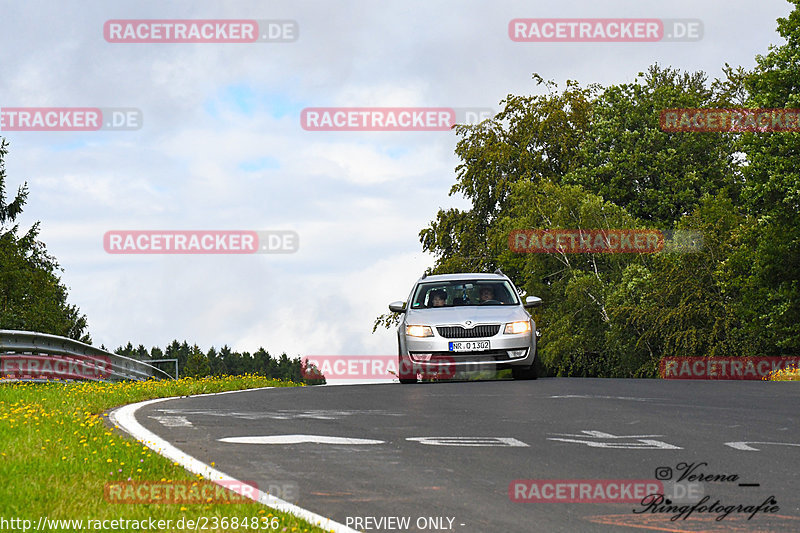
x: 533, y: 301
x: 397, y: 307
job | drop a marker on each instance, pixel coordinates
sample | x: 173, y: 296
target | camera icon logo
x: 663, y: 473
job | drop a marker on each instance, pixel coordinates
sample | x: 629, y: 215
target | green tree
x: 32, y: 296
x: 176, y: 350
x: 262, y: 362
x: 608, y: 166
x: 126, y: 350
x: 575, y: 287
x: 223, y: 362
x: 673, y: 305
x: 532, y: 139
x: 213, y: 360
x: 197, y: 365
x: 762, y: 277
x: 656, y: 176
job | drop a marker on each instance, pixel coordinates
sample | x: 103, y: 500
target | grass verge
x: 787, y: 374
x: 57, y: 454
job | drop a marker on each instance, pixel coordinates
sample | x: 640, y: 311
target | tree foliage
x: 32, y: 296
x: 596, y: 158
x: 762, y: 277
x: 193, y: 362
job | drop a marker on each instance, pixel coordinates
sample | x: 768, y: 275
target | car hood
x: 460, y: 314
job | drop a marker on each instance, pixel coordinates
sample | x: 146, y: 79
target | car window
x: 465, y: 293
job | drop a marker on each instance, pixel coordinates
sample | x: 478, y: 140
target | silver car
x: 469, y: 321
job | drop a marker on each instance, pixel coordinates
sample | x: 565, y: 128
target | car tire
x: 524, y: 372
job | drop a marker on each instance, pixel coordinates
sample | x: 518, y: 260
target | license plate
x: 469, y: 346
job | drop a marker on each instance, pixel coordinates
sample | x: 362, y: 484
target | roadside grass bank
x: 57, y: 454
x: 787, y: 374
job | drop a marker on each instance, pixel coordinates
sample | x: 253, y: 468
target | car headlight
x: 419, y: 331
x: 523, y: 326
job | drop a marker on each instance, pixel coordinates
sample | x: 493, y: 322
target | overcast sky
x: 222, y: 147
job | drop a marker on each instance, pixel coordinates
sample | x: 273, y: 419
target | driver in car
x: 486, y: 293
x: 439, y: 298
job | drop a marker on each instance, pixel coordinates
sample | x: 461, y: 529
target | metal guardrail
x: 42, y: 351
x: 173, y: 360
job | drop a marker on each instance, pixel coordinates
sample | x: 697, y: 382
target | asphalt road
x: 447, y: 453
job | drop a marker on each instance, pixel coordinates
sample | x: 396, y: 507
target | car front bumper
x: 506, y: 350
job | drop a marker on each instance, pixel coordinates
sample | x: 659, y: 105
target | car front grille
x: 458, y: 332
x: 458, y: 357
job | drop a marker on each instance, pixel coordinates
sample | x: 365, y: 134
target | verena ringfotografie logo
x: 374, y: 367
x: 695, y: 474
x: 75, y: 367
x: 597, y: 241
x: 723, y: 367
x: 70, y: 118
x: 589, y: 30
x: 730, y: 120
x: 201, y: 242
x: 201, y: 31
x: 180, y: 492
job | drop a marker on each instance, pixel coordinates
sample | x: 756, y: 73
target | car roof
x: 465, y: 275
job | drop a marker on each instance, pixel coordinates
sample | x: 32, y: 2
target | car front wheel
x: 523, y: 372
x: 405, y: 370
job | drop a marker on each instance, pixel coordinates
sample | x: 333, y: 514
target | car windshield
x: 463, y: 292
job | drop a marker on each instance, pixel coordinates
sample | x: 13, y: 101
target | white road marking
x: 173, y: 421
x: 125, y: 418
x: 745, y: 445
x: 317, y: 414
x: 643, y: 442
x: 470, y: 441
x: 602, y: 435
x: 298, y: 439
x: 592, y: 396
